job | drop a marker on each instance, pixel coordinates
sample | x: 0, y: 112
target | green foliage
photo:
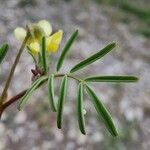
x: 131, y: 9
x: 112, y: 79
x: 66, y: 49
x: 102, y: 111
x: 94, y: 57
x: 44, y: 56
x: 80, y: 112
x: 62, y: 97
x: 23, y: 3
x: 29, y: 92
x: 127, y: 132
x: 82, y: 83
x: 51, y: 95
x: 3, y: 51
x: 145, y: 31
x: 67, y: 1
x: 141, y: 12
x: 33, y: 57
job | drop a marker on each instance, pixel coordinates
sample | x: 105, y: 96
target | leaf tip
x: 58, y: 126
x: 114, y: 44
x: 136, y: 79
x: 115, y: 134
x: 19, y: 108
x: 71, y: 71
x: 6, y: 45
x: 77, y: 31
x: 83, y: 132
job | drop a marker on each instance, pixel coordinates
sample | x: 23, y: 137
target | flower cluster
x: 37, y: 31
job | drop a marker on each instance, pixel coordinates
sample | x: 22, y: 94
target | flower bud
x: 20, y: 33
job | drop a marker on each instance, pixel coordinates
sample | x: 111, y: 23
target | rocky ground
x: 34, y: 128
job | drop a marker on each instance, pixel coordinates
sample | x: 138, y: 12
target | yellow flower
x: 42, y: 27
x: 34, y: 47
x: 37, y: 31
x: 53, y: 42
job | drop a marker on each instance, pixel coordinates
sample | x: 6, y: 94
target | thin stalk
x: 4, y: 93
x: 70, y: 76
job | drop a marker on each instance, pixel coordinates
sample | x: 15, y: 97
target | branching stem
x: 69, y: 75
x: 22, y: 93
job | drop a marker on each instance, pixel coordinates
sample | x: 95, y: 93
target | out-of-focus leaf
x: 81, y: 120
x: 40, y: 62
x: 112, y: 79
x: 102, y: 111
x: 29, y: 92
x: 94, y: 57
x: 51, y: 96
x: 66, y: 49
x: 44, y: 57
x: 29, y: 51
x: 62, y: 96
x: 3, y: 51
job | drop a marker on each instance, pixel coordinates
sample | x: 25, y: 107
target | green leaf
x: 112, y: 79
x: 102, y: 112
x: 66, y: 49
x: 51, y: 95
x: 40, y: 62
x: 62, y: 96
x: 81, y: 120
x: 29, y: 92
x: 44, y: 56
x: 94, y: 57
x: 3, y: 51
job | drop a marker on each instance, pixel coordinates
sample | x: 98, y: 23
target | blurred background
x: 100, y: 22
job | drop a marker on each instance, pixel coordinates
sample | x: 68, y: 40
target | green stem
x: 44, y: 56
x: 4, y: 93
x: 69, y: 75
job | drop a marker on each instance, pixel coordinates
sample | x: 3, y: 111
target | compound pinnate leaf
x: 51, y: 96
x: 81, y: 120
x: 62, y: 96
x: 44, y: 57
x: 3, y: 51
x: 112, y: 79
x: 66, y: 49
x: 29, y: 92
x: 94, y: 57
x: 102, y: 111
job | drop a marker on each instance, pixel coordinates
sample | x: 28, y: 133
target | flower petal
x: 34, y: 47
x: 53, y: 41
x: 46, y: 26
x: 20, y: 33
